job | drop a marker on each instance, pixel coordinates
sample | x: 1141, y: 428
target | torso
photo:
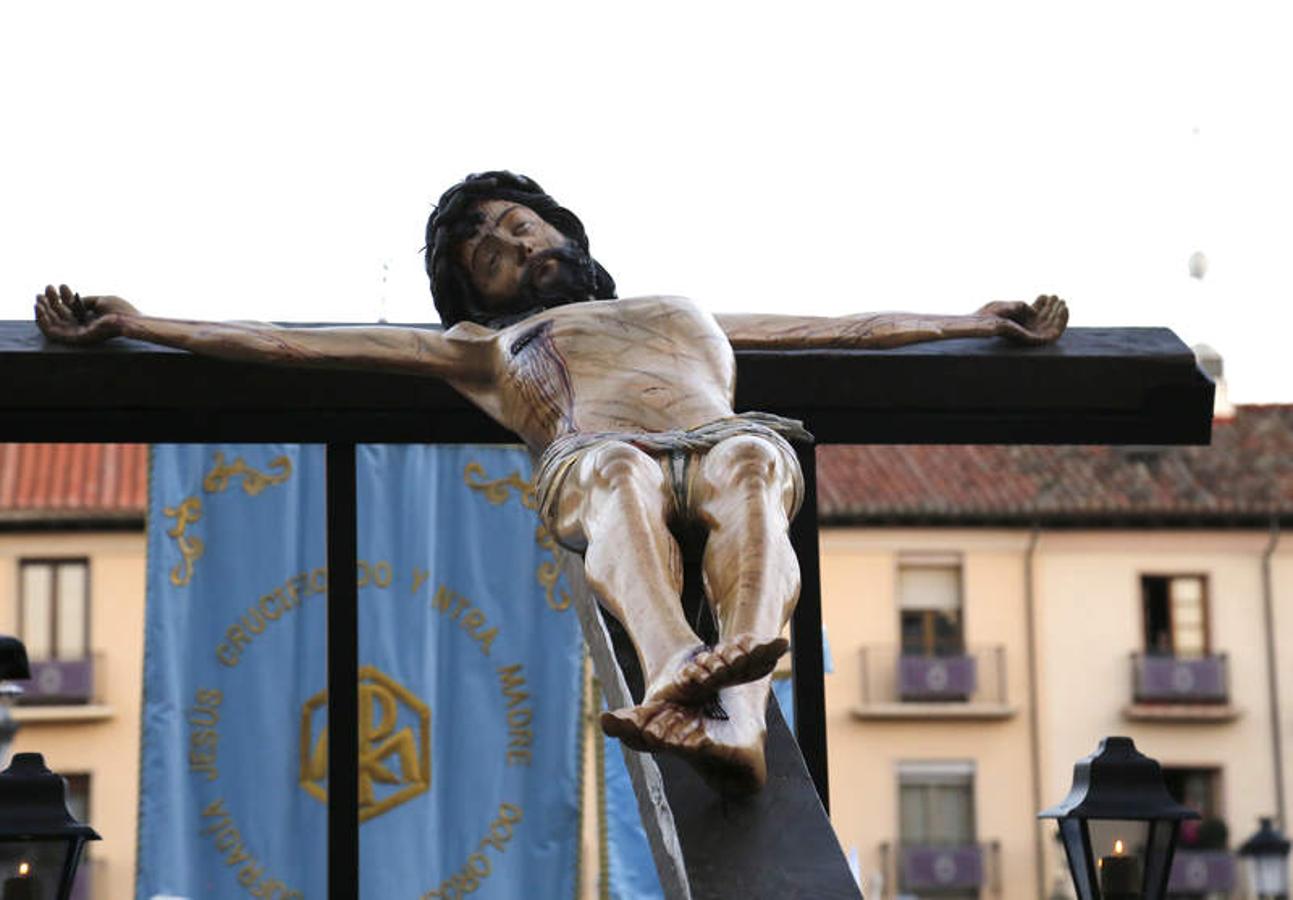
x: 647, y: 364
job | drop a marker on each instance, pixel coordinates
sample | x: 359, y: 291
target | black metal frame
x: 808, y: 664
x: 343, y: 673
x: 1134, y: 385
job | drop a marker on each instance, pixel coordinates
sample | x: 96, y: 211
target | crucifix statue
x: 626, y: 406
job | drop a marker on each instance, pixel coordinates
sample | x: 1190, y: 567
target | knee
x: 746, y: 458
x: 620, y: 465
x: 745, y: 464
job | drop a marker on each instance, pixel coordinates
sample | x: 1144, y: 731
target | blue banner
x: 470, y: 675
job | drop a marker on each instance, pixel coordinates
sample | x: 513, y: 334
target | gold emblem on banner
x: 394, y: 744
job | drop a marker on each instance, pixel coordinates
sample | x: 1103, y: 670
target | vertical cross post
x: 807, y: 658
x: 343, y: 674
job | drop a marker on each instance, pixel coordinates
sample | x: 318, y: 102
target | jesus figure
x: 627, y: 408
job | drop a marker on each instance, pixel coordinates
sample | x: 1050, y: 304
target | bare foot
x: 654, y: 726
x: 723, y: 740
x: 700, y: 673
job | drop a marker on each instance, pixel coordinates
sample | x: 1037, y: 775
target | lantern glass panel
x: 1162, y: 837
x: 1118, y: 848
x: 1268, y: 875
x: 45, y: 861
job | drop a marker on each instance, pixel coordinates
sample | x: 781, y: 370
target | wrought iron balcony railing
x: 1174, y: 679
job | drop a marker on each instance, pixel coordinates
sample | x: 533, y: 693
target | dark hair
x: 455, y: 219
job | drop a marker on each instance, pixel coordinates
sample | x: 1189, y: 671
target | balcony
x: 1201, y: 872
x: 1180, y: 689
x: 64, y: 690
x: 971, y: 685
x: 935, y: 868
x: 59, y: 682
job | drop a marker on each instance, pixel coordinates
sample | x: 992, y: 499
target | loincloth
x: 677, y: 452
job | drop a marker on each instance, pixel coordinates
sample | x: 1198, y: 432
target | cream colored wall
x: 106, y: 748
x: 860, y: 609
x: 1091, y: 622
x: 1088, y: 624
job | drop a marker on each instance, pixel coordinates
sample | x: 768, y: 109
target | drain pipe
x: 1034, y: 726
x: 1268, y: 604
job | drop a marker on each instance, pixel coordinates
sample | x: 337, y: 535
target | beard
x: 570, y: 277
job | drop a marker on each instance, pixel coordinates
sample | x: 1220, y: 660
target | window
x: 53, y: 609
x: 929, y: 602
x: 1199, y: 789
x: 936, y: 804
x: 938, y: 856
x: 1196, y: 788
x: 1176, y: 615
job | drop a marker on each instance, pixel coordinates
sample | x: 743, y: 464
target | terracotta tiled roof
x: 73, y: 481
x: 1245, y: 477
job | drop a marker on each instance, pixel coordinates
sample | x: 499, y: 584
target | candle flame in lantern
x: 1117, y: 848
x: 23, y: 869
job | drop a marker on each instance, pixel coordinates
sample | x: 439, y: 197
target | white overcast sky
x: 273, y: 160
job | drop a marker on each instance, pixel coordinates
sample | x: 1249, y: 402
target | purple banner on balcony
x: 1201, y: 871
x: 59, y: 681
x: 945, y: 868
x: 936, y: 677
x: 1200, y: 680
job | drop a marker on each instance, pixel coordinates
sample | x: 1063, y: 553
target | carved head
x: 499, y: 249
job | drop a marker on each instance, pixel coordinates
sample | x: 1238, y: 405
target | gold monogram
x: 191, y: 548
x: 498, y: 491
x: 381, y: 744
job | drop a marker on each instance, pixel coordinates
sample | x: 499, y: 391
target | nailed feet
x: 699, y: 674
x: 722, y: 740
x: 708, y: 708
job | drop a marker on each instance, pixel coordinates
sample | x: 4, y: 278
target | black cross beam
x: 1095, y: 386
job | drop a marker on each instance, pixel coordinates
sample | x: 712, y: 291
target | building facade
x: 72, y: 588
x: 994, y: 611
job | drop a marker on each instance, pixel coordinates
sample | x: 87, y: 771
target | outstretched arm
x: 459, y: 354
x: 1040, y: 322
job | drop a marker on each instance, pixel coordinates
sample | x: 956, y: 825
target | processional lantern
x: 1266, y: 859
x: 1119, y: 824
x: 40, y: 841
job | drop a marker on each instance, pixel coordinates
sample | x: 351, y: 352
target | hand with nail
x: 67, y: 317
